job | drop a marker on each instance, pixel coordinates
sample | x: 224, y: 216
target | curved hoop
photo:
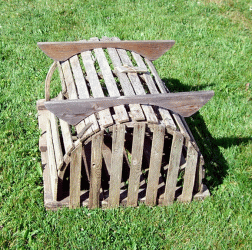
x: 48, y: 80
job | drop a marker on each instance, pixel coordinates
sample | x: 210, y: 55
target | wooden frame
x: 112, y: 139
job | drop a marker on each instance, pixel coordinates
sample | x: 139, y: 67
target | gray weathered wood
x: 42, y: 121
x: 168, y: 121
x: 199, y: 175
x: 75, y: 177
x: 184, y: 103
x: 56, y: 141
x: 159, y: 82
x: 173, y: 168
x: 136, y: 110
x: 60, y: 51
x: 52, y: 162
x: 82, y: 91
x: 189, y: 176
x: 155, y: 164
x: 116, y: 164
x: 66, y: 133
x: 71, y: 88
x: 62, y: 79
x: 105, y: 116
x: 136, y: 163
x: 121, y: 114
x: 96, y: 167
x: 137, y: 86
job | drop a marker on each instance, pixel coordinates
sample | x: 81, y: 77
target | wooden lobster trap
x: 115, y: 135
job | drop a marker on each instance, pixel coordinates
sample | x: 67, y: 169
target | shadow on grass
x: 215, y: 164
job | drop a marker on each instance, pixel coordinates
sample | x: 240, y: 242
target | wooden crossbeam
x: 61, y: 51
x: 183, y: 103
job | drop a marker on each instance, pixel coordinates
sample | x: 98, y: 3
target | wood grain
x: 155, y: 164
x: 136, y: 163
x: 61, y: 51
x: 121, y: 113
x: 96, y: 167
x: 173, y: 168
x: 167, y: 119
x: 52, y: 162
x: 105, y: 115
x: 136, y: 110
x: 189, y: 176
x: 184, y: 103
x: 75, y: 177
x: 116, y: 164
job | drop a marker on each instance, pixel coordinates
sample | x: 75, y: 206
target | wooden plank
x: 56, y: 141
x: 62, y: 79
x: 75, y: 177
x: 190, y: 172
x: 138, y: 88
x: 42, y: 121
x: 71, y: 89
x: 121, y: 113
x: 184, y: 103
x: 82, y: 91
x: 155, y: 164
x: 52, y: 162
x: 199, y: 175
x: 66, y: 133
x: 96, y: 167
x: 136, y: 163
x: 153, y: 90
x: 173, y: 168
x: 105, y: 116
x: 116, y: 164
x: 68, y: 76
x: 160, y: 84
x: 60, y: 51
x: 136, y: 110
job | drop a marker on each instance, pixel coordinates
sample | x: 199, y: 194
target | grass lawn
x: 213, y: 51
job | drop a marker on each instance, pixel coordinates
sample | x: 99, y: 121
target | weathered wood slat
x: 155, y: 164
x: 66, y: 132
x: 75, y: 177
x: 185, y: 103
x: 138, y: 88
x: 71, y: 88
x: 136, y: 84
x: 159, y: 82
x: 62, y: 79
x: 68, y: 76
x: 173, y: 168
x: 42, y: 121
x: 116, y: 165
x: 180, y: 124
x: 121, y: 114
x: 52, y: 162
x: 198, y: 186
x: 136, y: 110
x: 189, y: 176
x: 56, y: 141
x: 136, y: 163
x: 82, y: 91
x: 60, y: 51
x: 105, y: 116
x: 153, y: 90
x: 96, y: 167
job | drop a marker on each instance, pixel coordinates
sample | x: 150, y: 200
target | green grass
x: 213, y: 50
